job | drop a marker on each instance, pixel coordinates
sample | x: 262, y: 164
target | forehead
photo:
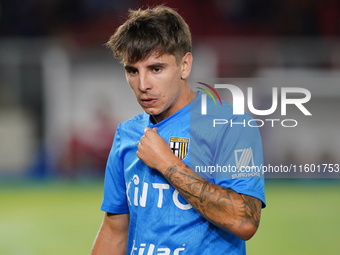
x: 154, y: 58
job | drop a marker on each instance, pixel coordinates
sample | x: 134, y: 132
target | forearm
x: 236, y: 213
x: 112, y: 236
x: 107, y: 244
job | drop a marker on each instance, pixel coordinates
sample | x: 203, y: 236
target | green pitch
x: 56, y: 218
x: 302, y: 217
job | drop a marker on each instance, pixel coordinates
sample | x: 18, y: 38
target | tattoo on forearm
x: 171, y: 171
x: 251, y: 210
x: 211, y: 200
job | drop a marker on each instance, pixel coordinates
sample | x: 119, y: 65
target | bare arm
x: 112, y: 235
x: 237, y: 213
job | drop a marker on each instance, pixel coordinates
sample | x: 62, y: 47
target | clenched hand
x: 154, y: 151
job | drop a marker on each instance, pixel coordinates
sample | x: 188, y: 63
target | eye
x: 156, y: 70
x: 132, y: 72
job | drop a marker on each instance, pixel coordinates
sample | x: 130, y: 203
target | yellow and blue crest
x: 179, y: 146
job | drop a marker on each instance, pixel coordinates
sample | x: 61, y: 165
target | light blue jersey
x: 161, y: 221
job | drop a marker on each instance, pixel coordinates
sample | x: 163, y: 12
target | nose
x: 144, y: 82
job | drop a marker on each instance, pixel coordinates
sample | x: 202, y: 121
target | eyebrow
x: 158, y: 65
x: 130, y: 68
x: 152, y: 66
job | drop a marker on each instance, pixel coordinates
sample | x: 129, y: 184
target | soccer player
x: 154, y: 200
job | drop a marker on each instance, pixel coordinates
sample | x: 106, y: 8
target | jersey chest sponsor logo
x: 138, y: 196
x: 152, y: 250
x: 179, y: 146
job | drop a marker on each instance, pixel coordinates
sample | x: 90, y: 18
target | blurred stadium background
x: 62, y: 95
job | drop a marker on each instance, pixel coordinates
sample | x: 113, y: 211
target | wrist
x: 169, y: 163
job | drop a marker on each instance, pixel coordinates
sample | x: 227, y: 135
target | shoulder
x: 210, y: 108
x: 130, y: 131
x: 220, y: 126
x: 216, y: 114
x: 138, y: 121
x: 225, y: 111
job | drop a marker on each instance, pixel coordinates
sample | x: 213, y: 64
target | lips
x: 148, y: 101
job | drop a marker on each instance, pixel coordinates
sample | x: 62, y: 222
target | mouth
x: 148, y: 101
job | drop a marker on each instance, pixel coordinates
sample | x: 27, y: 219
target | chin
x: 151, y: 112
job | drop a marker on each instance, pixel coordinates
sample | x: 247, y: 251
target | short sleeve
x: 115, y: 200
x: 239, y: 149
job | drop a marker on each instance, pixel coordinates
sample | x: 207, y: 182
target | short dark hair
x: 159, y: 29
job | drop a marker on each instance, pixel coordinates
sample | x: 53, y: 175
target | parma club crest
x: 179, y: 146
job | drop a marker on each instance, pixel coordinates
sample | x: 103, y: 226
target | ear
x: 186, y: 64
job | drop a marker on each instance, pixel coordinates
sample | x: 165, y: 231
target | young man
x: 154, y: 202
